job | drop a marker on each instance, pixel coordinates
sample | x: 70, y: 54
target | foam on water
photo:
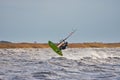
x: 44, y: 64
x: 94, y: 53
x: 71, y: 53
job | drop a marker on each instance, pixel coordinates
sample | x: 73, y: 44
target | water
x: 44, y: 64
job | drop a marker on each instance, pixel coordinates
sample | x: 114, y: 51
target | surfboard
x: 55, y: 48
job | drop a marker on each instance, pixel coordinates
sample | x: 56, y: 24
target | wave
x: 94, y: 53
x: 45, y: 64
x: 70, y: 53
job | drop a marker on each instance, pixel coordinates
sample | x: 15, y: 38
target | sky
x: 43, y: 20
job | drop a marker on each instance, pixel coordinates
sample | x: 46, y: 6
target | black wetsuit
x: 64, y: 46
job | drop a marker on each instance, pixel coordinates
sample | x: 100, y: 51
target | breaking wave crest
x: 94, y: 53
x: 70, y: 53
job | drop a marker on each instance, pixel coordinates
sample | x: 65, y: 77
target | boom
x: 66, y: 38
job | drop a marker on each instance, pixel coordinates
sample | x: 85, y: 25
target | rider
x: 63, y: 45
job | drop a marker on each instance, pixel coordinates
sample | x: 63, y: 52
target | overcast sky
x: 43, y: 20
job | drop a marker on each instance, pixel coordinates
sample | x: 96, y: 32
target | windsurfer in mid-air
x: 60, y: 46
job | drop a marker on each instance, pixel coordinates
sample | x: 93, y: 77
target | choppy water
x: 44, y: 64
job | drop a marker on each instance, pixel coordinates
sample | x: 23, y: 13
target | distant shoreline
x: 71, y: 45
